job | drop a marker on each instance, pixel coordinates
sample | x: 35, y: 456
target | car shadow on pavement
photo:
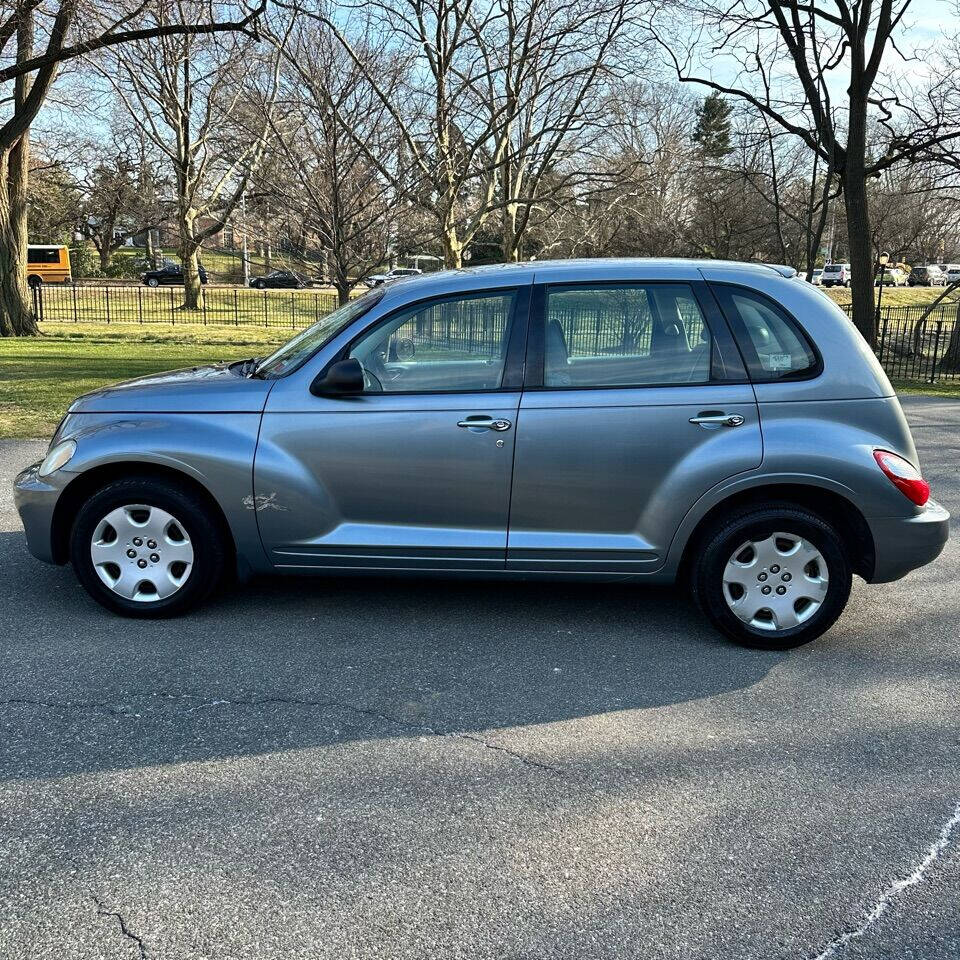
x: 86, y: 690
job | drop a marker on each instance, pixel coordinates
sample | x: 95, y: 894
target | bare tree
x: 207, y: 103
x: 326, y: 111
x: 842, y: 45
x: 549, y: 65
x: 122, y: 192
x: 36, y: 38
x: 450, y: 147
x: 492, y: 101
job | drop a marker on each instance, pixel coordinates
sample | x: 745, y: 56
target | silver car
x: 643, y: 421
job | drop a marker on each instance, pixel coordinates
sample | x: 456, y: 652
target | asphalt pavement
x: 373, y: 768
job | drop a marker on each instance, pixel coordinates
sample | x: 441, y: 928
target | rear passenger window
x: 43, y: 255
x: 772, y: 344
x: 624, y: 335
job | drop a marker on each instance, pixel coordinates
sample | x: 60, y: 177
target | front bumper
x: 36, y: 498
x: 902, y: 545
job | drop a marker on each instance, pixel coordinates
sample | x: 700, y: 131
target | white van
x: 836, y: 275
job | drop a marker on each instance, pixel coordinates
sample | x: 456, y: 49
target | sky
x: 922, y: 38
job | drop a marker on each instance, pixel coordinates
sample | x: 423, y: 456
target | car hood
x: 209, y: 389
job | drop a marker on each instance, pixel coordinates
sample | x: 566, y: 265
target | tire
x: 153, y: 282
x: 722, y: 556
x: 202, y: 543
x: 34, y: 281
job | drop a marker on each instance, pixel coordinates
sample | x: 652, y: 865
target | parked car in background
x: 281, y: 280
x: 836, y: 275
x: 716, y: 423
x: 953, y: 273
x: 169, y: 274
x: 817, y: 277
x: 891, y: 277
x: 929, y: 276
x: 48, y: 263
x: 378, y: 279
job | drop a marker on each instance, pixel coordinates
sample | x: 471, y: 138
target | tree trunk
x: 861, y: 258
x: 511, y: 242
x: 343, y: 291
x: 190, y: 259
x: 452, y: 248
x: 858, y: 222
x: 17, y: 318
x: 951, y: 359
x: 105, y: 249
x: 151, y: 247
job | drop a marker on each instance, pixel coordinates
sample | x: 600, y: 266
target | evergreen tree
x: 711, y: 133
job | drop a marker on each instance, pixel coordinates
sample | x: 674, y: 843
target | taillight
x: 904, y: 475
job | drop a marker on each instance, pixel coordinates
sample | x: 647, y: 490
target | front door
x: 634, y: 412
x: 416, y: 471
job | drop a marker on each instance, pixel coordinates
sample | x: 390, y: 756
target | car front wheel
x: 772, y: 576
x: 146, y: 547
x: 153, y: 282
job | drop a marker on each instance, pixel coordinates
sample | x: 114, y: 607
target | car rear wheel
x: 772, y: 576
x: 145, y: 547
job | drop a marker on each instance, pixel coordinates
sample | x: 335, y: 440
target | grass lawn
x: 39, y: 376
x: 229, y: 263
x: 942, y: 388
x: 894, y: 296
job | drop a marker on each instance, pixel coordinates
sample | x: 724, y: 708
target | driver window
x: 451, y: 344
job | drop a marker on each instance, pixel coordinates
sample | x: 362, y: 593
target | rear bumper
x: 35, y: 500
x: 902, y: 545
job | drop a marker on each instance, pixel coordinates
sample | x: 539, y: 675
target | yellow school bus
x: 47, y: 263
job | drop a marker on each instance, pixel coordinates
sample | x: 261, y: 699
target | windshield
x: 294, y: 353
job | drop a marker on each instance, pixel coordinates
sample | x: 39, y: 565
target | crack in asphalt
x: 124, y: 929
x: 122, y: 710
x: 511, y: 753
x: 896, y: 889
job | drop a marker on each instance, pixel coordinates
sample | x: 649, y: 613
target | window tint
x: 451, y: 344
x: 624, y: 335
x: 773, y: 346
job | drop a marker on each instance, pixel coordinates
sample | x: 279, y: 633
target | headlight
x: 59, y: 456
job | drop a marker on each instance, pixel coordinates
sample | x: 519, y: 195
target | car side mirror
x: 341, y: 379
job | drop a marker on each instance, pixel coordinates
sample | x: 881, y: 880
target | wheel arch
x: 835, y: 508
x: 88, y: 482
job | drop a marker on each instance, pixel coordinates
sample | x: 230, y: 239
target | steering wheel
x: 374, y: 365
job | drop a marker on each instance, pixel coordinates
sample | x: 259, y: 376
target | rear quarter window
x: 772, y: 343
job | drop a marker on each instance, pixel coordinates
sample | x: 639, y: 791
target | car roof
x: 582, y: 270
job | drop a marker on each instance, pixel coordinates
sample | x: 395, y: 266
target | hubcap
x: 141, y: 553
x: 776, y: 583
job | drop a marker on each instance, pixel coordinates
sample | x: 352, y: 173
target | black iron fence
x: 234, y: 306
x: 910, y: 346
x: 913, y: 347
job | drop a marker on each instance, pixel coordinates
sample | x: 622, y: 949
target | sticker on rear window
x: 778, y: 361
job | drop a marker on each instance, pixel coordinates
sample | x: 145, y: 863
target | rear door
x: 636, y: 403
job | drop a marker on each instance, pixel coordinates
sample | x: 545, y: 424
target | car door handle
x: 485, y: 423
x: 718, y: 419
